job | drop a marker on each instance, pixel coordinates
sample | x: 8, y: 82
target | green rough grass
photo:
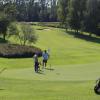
x: 46, y: 90
x: 75, y: 65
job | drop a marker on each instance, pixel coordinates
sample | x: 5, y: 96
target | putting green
x: 62, y: 73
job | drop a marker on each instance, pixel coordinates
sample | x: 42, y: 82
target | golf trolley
x: 97, y: 87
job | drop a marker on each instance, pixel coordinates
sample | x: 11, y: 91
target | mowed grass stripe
x: 55, y: 73
x: 46, y: 90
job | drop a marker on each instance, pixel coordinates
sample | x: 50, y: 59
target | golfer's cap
x: 35, y: 55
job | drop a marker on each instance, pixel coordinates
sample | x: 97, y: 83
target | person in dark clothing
x: 36, y: 63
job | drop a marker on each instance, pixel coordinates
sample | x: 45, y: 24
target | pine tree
x: 92, y: 16
x: 62, y: 10
x: 74, y: 15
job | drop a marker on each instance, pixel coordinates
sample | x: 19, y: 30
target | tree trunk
x: 90, y: 34
x: 4, y: 36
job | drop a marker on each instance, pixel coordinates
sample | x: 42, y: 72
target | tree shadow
x: 70, y: 32
x: 3, y: 41
x: 84, y: 37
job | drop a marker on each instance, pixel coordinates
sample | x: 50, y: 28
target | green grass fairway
x: 75, y: 65
x: 56, y: 73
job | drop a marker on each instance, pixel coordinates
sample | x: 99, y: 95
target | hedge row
x: 46, y: 24
x: 18, y: 51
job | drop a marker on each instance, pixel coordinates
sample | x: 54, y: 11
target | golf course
x: 71, y: 72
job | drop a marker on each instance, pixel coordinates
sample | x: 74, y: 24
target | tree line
x: 33, y: 10
x: 80, y: 15
x: 8, y: 26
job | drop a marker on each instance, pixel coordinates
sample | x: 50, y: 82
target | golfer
x: 36, y: 63
x: 45, y: 57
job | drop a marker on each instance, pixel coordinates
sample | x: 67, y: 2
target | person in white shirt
x: 45, y: 56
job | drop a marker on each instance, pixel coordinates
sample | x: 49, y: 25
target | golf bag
x: 97, y: 87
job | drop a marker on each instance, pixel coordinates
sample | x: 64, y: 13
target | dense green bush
x: 18, y: 51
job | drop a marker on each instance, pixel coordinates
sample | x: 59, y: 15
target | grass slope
x: 75, y: 67
x: 66, y: 49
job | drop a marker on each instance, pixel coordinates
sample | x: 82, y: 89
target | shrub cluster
x: 18, y: 51
x: 48, y: 24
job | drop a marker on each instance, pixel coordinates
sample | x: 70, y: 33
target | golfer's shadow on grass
x: 40, y: 72
x: 51, y: 69
x: 2, y: 89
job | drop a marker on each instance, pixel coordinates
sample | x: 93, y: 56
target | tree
x: 10, y: 10
x: 92, y: 16
x: 21, y: 6
x: 43, y: 10
x: 30, y: 10
x: 27, y: 34
x: 81, y: 15
x: 53, y: 12
x: 33, y: 11
x: 7, y: 11
x: 74, y: 15
x: 13, y: 29
x: 62, y: 10
x: 4, y: 23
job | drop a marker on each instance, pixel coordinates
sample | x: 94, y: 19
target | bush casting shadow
x: 84, y: 37
x: 18, y: 51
